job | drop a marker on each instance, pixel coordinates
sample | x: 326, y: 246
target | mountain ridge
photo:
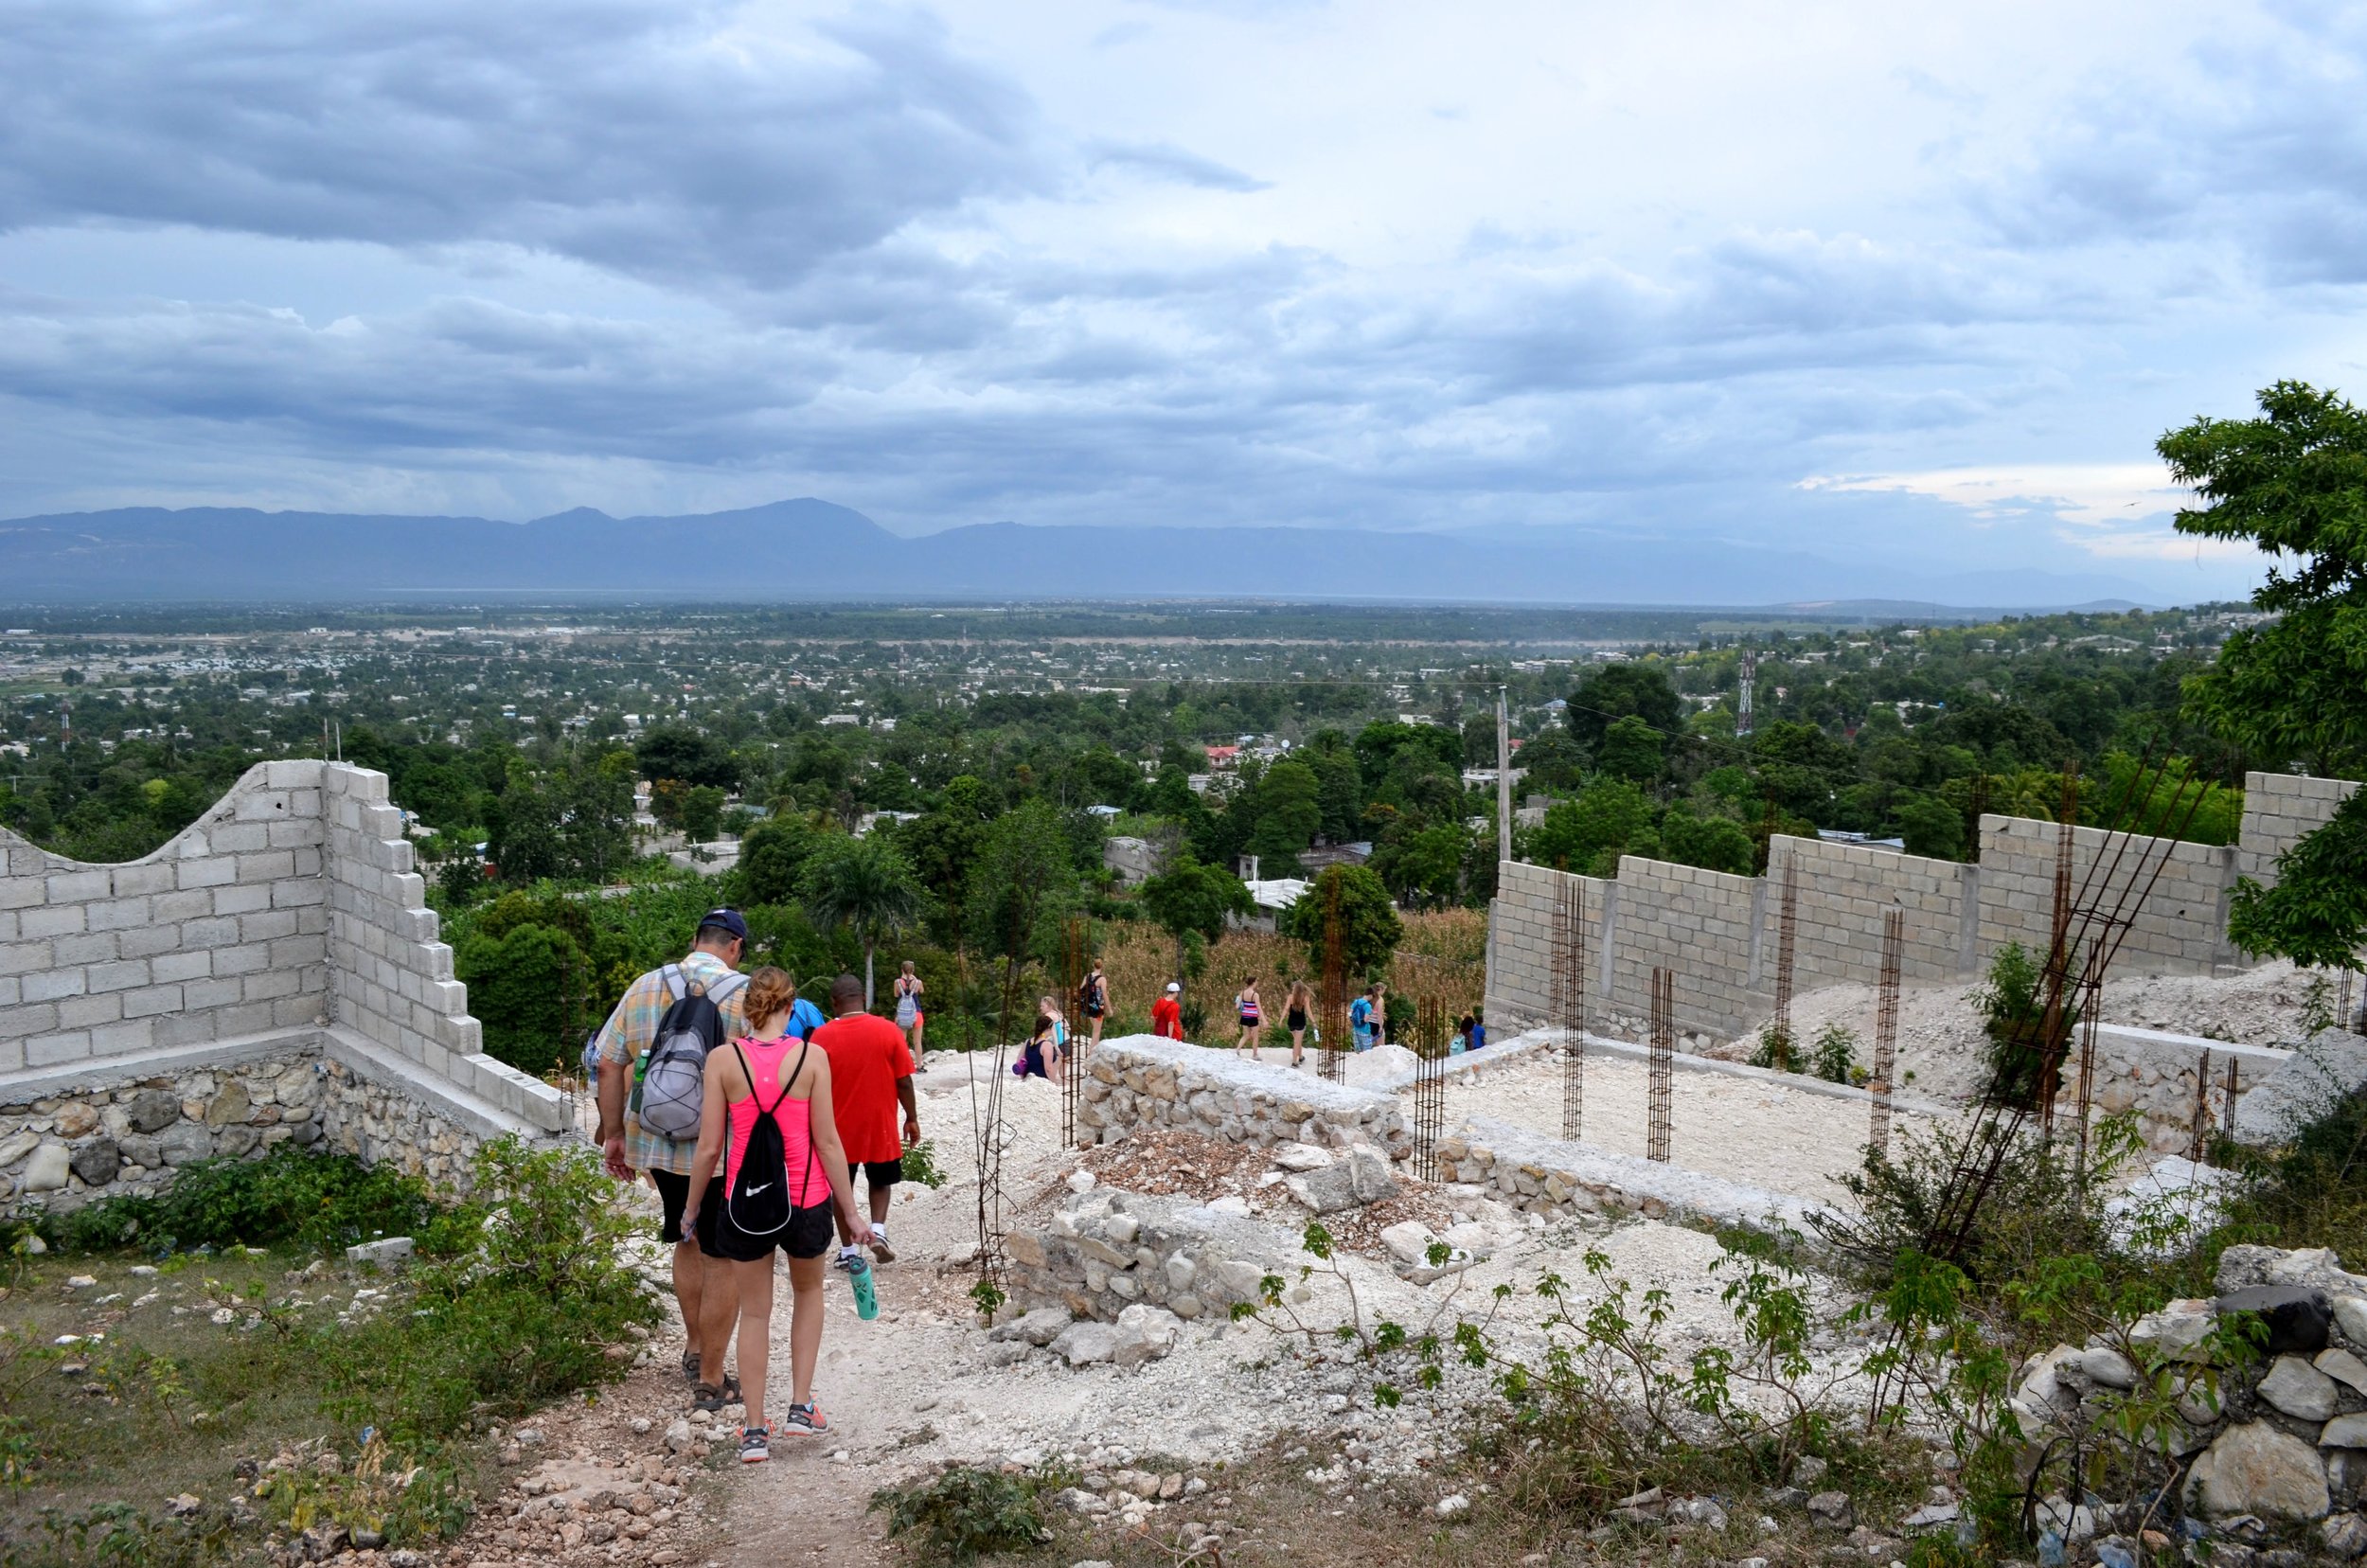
x: 805, y: 547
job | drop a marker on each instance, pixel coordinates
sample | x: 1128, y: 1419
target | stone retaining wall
x: 126, y: 1134
x: 1541, y: 1175
x: 1141, y: 1080
x: 1103, y: 1252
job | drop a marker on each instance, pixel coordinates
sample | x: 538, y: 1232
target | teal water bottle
x: 866, y: 1295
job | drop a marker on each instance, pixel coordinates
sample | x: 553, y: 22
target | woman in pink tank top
x: 767, y: 1073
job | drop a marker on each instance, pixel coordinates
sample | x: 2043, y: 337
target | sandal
x: 708, y: 1397
x: 690, y: 1367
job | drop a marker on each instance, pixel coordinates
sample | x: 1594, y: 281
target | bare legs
x: 717, y: 1309
x: 805, y: 1275
x: 1298, y: 1043
x: 754, y: 1286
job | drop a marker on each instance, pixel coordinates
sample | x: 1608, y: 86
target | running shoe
x: 755, y: 1445
x: 849, y: 1260
x: 880, y: 1248
x: 805, y: 1421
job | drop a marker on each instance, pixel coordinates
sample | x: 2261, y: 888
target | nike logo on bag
x: 751, y: 1192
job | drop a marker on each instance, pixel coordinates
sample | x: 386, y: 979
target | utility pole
x: 1742, y: 704
x: 1503, y: 774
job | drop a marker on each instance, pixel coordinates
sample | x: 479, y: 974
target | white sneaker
x: 880, y: 1248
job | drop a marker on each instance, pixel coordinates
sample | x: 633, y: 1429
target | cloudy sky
x: 1916, y: 282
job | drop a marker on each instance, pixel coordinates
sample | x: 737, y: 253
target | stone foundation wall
x: 1140, y: 1080
x: 127, y: 1136
x: 1530, y: 1171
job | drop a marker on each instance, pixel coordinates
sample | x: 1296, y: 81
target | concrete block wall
x: 1520, y: 938
x: 219, y: 933
x: 292, y: 904
x: 2181, y: 929
x: 1698, y: 923
x: 1845, y: 892
x: 391, y: 976
x: 1720, y: 932
x: 2279, y: 810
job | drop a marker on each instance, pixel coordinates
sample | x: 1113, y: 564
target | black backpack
x: 758, y: 1202
x: 672, y: 1090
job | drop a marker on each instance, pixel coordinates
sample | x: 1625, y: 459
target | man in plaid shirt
x: 703, y: 1283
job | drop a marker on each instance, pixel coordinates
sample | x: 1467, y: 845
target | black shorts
x: 674, y: 1191
x: 1295, y: 1023
x: 808, y: 1233
x: 882, y: 1173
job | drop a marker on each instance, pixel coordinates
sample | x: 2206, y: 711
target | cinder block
x: 125, y: 1039
x: 142, y: 877
x: 211, y: 872
x: 31, y: 1019
x: 213, y: 933
x: 121, y: 975
x: 270, y: 866
x: 268, y: 925
x: 239, y: 838
x: 95, y: 948
x: 148, y: 1001
x: 49, y: 984
x: 241, y: 899
x: 147, y: 941
x: 53, y: 919
x: 55, y: 1050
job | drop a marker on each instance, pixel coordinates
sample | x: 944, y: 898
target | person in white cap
x: 1167, y: 1014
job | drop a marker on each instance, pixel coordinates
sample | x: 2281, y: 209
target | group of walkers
x: 750, y: 1113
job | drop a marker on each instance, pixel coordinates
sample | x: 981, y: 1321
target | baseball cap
x: 725, y: 919
x: 1173, y: 986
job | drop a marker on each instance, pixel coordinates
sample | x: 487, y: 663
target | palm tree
x: 865, y: 885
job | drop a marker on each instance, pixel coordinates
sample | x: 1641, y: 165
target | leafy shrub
x: 525, y: 1315
x: 921, y: 1164
x: 2013, y: 1011
x: 1776, y: 1049
x: 1834, y: 1056
x: 964, y: 1513
x: 294, y: 1195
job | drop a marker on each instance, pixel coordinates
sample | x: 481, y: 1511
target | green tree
x: 1285, y: 810
x: 523, y: 986
x: 1630, y: 748
x: 1369, y: 927
x: 1425, y: 867
x: 1715, y: 844
x: 1191, y: 898
x: 772, y: 860
x: 1619, y: 691
x: 863, y: 885
x: 1931, y: 826
x: 702, y: 814
x: 523, y: 838
x: 1025, y: 877
x: 676, y: 751
x: 1605, y: 817
x: 2294, y: 482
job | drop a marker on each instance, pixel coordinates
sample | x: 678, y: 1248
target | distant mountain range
x: 810, y: 550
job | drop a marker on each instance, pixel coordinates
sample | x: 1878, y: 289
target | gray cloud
x: 2260, y: 150
x: 1161, y: 161
x: 634, y: 134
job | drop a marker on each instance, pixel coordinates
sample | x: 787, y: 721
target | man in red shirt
x: 1167, y: 1014
x: 871, y: 1074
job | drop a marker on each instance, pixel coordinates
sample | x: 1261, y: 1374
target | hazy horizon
x: 1913, y: 288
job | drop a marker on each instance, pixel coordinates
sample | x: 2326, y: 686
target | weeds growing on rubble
x: 965, y: 1512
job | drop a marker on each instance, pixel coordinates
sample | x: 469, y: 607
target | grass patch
x: 282, y: 1389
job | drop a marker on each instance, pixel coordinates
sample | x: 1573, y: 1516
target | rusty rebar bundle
x: 1071, y: 982
x: 1786, y: 939
x: 1658, y: 1111
x: 1886, y: 1033
x: 1331, y: 1058
x: 1430, y: 1083
x: 2198, y: 1138
x: 1569, y: 1000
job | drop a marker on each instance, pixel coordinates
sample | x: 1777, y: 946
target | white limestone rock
x: 2257, y: 1469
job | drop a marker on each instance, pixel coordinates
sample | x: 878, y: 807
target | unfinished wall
x: 2180, y: 929
x: 287, y: 919
x: 1845, y: 892
x: 222, y: 933
x: 1720, y: 932
x: 2279, y: 810
x: 1698, y: 923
